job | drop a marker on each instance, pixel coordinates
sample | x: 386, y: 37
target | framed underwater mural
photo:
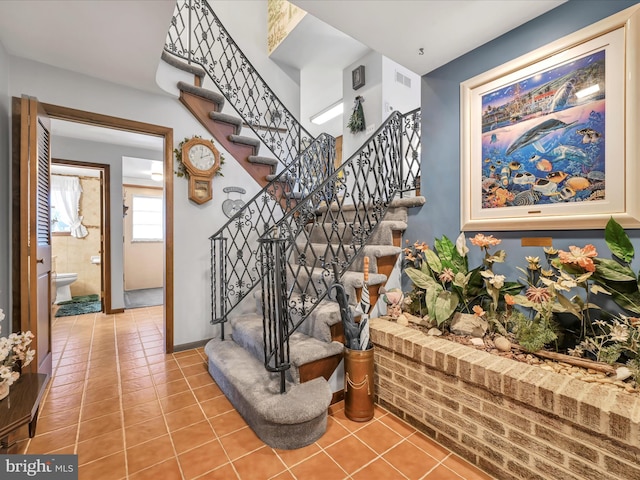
x: 549, y: 140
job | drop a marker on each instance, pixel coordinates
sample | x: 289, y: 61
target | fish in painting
x: 556, y: 177
x: 568, y: 152
x: 528, y: 197
x: 504, y: 176
x: 515, y: 165
x: 494, y: 138
x: 535, y: 134
x: 524, y: 178
x: 589, y: 135
x: 545, y: 187
x: 578, y: 183
x: 567, y: 192
x: 544, y: 165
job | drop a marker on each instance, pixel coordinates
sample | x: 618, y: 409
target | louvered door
x: 36, y: 227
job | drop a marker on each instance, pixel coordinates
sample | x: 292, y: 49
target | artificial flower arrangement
x: 553, y: 306
x: 14, y: 349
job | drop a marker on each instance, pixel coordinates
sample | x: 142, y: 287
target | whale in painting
x: 535, y: 134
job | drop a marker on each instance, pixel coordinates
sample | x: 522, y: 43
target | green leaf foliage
x: 445, y: 305
x: 434, y: 262
x: 618, y: 241
x: 607, y: 269
x: 449, y: 255
x: 419, y: 278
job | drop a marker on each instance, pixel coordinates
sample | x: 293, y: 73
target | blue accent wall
x: 441, y: 136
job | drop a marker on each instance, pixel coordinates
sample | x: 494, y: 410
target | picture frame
x: 357, y: 77
x: 541, y: 148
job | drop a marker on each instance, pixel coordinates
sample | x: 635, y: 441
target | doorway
x: 122, y: 125
x: 79, y: 213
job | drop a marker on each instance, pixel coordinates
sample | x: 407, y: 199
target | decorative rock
x: 402, y: 320
x: 623, y: 373
x: 418, y: 320
x: 468, y: 324
x: 503, y: 344
x: 434, y: 332
x: 478, y: 342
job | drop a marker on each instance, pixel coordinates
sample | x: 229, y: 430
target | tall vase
x: 4, y: 390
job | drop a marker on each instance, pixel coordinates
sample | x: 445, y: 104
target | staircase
x: 279, y: 249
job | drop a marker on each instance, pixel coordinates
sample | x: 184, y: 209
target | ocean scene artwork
x: 543, y: 137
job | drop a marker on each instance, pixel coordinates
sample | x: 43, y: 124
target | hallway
x: 150, y: 415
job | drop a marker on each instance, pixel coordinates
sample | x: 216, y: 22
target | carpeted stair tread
x: 397, y: 202
x: 383, y: 234
x: 248, y: 333
x: 175, y: 62
x: 285, y: 178
x: 350, y: 280
x: 290, y: 420
x: 228, y: 119
x: 263, y: 160
x: 328, y: 252
x: 248, y: 141
x: 202, y: 92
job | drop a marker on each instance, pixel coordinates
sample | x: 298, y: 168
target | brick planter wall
x: 513, y: 420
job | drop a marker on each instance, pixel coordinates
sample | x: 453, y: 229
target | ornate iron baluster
x: 197, y: 35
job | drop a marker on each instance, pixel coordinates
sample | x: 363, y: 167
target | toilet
x: 63, y: 283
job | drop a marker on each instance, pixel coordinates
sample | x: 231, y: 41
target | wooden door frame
x: 90, y: 118
x: 105, y: 224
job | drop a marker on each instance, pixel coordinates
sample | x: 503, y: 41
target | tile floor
x: 154, y: 416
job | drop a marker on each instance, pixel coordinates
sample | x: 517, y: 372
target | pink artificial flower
x: 478, y: 311
x: 579, y: 256
x: 484, y: 241
x: 538, y: 294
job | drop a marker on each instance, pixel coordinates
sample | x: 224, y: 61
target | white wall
x: 372, y: 106
x: 396, y: 96
x: 246, y: 22
x: 320, y: 86
x: 5, y: 191
x: 193, y: 224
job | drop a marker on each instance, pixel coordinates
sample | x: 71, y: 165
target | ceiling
x: 121, y: 40
x: 445, y: 29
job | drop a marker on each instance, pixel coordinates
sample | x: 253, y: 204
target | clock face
x: 201, y: 157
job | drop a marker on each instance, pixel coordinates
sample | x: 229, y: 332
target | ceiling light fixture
x: 328, y: 113
x: 157, y: 176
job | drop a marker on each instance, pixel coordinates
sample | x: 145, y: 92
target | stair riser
x: 200, y: 109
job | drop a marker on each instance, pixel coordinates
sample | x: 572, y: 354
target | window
x: 147, y: 219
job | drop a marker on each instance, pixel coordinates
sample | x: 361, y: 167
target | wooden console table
x: 20, y: 407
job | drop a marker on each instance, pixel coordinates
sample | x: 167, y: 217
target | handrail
x: 362, y: 187
x: 197, y: 36
x: 235, y: 262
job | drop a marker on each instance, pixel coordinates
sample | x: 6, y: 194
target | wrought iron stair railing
x: 344, y: 211
x: 235, y: 262
x: 197, y: 36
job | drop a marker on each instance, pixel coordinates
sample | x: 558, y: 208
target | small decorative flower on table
x: 14, y: 349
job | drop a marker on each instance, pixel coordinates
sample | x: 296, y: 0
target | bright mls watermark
x: 50, y: 467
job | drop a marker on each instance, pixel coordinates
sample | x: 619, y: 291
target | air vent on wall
x: 403, y: 80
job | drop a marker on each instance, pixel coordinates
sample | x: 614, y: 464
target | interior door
x: 35, y: 230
